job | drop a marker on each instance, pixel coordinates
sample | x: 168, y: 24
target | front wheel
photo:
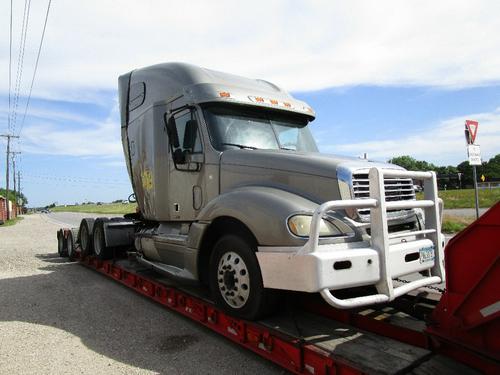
x: 236, y: 281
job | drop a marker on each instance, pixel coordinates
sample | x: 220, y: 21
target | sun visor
x: 210, y: 93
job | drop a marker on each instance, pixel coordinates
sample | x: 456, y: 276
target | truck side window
x: 188, y: 132
x: 137, y: 95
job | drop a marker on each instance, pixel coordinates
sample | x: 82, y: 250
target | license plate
x: 426, y: 254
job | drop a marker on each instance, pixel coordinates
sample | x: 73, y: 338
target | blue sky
x: 386, y: 78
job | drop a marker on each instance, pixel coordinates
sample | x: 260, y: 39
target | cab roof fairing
x: 218, y: 93
x: 167, y: 81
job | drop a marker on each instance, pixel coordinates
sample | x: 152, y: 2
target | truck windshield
x: 241, y: 127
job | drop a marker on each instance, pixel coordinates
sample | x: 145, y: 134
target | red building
x: 3, y: 209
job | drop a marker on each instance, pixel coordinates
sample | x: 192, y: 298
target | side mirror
x: 190, y: 135
x: 173, y: 137
x: 179, y: 156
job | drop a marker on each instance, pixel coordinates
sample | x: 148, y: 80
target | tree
x: 412, y: 164
x: 405, y: 161
x: 21, y: 198
x: 491, y: 169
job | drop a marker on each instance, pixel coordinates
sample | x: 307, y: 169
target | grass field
x: 107, y: 208
x: 8, y: 223
x: 454, y: 224
x: 465, y: 198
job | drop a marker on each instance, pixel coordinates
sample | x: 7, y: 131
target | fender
x: 264, y: 210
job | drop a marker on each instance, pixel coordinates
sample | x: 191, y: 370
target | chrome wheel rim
x: 233, y: 280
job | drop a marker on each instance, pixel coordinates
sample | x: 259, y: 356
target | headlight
x: 300, y: 225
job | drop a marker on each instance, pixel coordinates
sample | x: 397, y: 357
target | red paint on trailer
x: 466, y: 323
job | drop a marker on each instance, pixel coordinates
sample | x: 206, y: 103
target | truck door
x: 186, y: 167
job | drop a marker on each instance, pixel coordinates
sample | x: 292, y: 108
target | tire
x: 101, y: 251
x: 85, y: 236
x: 62, y: 249
x: 235, y: 279
x: 71, y: 244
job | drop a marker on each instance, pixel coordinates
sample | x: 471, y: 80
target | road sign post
x: 474, y: 154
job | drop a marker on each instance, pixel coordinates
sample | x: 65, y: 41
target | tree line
x: 20, y: 196
x: 459, y: 176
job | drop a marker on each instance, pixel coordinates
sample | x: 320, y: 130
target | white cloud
x: 95, y: 138
x: 443, y: 144
x: 299, y: 45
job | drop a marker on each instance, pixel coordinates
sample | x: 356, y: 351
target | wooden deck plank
x: 441, y: 365
x: 369, y: 352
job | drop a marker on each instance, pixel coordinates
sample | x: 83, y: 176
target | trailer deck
x: 457, y: 332
x: 296, y: 339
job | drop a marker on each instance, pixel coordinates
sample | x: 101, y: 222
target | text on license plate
x: 426, y: 254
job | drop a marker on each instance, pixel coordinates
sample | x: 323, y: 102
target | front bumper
x: 339, y: 266
x: 322, y: 268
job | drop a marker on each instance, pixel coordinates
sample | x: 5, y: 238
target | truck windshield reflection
x: 246, y: 128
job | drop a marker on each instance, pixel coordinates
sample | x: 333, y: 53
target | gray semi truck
x: 232, y: 193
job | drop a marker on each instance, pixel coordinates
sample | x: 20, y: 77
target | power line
x: 11, y: 113
x: 10, y: 61
x: 36, y: 67
x: 20, y: 63
x: 72, y: 179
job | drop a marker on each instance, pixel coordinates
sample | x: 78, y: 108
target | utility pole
x: 14, y: 153
x: 19, y: 184
x: 8, y: 136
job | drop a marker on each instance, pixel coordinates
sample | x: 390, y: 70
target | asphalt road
x: 71, y: 219
x: 58, y: 317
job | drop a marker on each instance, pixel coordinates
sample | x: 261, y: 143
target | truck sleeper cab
x: 233, y: 193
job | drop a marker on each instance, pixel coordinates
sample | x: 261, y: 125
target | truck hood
x: 311, y: 163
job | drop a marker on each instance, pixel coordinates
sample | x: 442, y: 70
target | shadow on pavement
x: 118, y: 323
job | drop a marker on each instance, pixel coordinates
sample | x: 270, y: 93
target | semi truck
x: 233, y: 195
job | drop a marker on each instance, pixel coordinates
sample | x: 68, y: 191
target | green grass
x: 8, y: 223
x: 465, y: 198
x: 454, y: 224
x: 107, y: 208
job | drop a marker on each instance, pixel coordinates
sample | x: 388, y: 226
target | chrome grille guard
x: 380, y: 236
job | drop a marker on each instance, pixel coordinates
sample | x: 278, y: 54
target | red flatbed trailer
x: 461, y: 334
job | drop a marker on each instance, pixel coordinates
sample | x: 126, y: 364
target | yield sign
x: 472, y: 128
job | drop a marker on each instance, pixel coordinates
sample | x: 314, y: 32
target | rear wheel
x: 61, y: 244
x: 236, y: 281
x: 100, y: 249
x: 86, y: 242
x: 71, y: 243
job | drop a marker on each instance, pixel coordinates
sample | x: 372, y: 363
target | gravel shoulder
x: 58, y: 317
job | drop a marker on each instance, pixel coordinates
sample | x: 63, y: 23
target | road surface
x: 58, y: 317
x: 71, y: 219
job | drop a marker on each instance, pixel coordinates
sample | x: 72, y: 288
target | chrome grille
x: 396, y: 189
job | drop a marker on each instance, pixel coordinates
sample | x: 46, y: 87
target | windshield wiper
x: 240, y: 146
